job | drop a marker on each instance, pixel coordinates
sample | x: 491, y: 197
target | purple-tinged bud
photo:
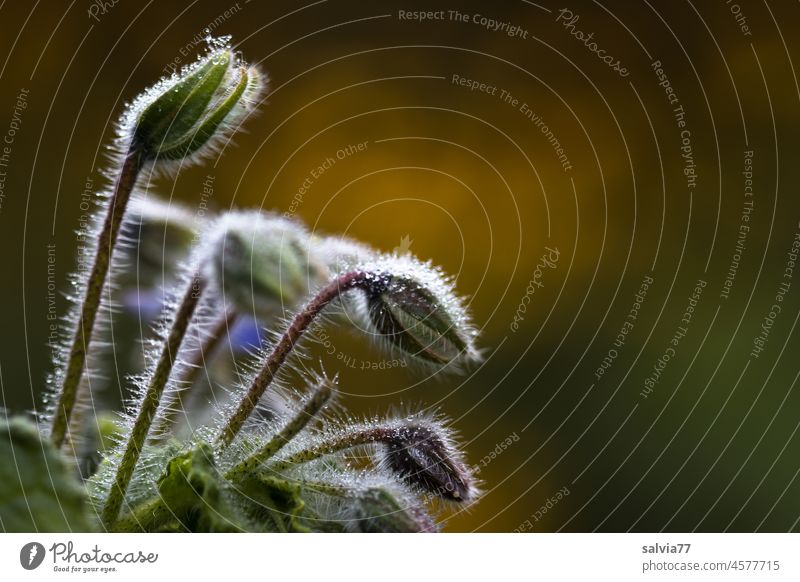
x: 423, y: 455
x: 413, y: 307
x: 419, y: 450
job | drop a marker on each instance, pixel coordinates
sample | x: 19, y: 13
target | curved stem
x: 284, y: 347
x: 315, y: 403
x: 106, y: 242
x: 192, y: 368
x: 151, y: 400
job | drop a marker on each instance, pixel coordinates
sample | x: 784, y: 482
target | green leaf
x: 143, y: 487
x: 273, y: 501
x: 376, y: 510
x: 191, y: 496
x: 192, y: 488
x: 39, y: 492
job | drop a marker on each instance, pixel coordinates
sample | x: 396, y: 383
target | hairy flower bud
x: 413, y: 307
x: 260, y: 262
x: 156, y: 237
x: 183, y: 114
x: 418, y: 449
x: 422, y: 453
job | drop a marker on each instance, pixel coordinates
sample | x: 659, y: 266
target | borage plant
x: 261, y: 457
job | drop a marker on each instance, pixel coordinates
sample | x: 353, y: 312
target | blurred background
x: 611, y: 184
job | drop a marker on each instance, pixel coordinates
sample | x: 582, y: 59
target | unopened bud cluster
x: 269, y: 454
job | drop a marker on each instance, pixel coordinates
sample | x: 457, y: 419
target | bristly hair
x: 153, y: 348
x: 222, y: 130
x: 96, y: 371
x: 340, y: 253
x: 363, y: 500
x: 260, y: 263
x: 420, y: 450
x: 288, y: 439
x: 415, y: 310
x: 138, y: 272
x: 253, y: 95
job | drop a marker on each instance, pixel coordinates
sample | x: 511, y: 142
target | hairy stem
x: 338, y: 443
x: 106, y: 242
x: 193, y: 367
x: 284, y: 347
x: 315, y: 403
x: 151, y: 400
x: 329, y: 489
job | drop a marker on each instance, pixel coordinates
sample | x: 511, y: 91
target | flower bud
x: 377, y: 510
x: 421, y: 452
x: 180, y: 115
x: 156, y: 237
x: 260, y: 262
x: 413, y: 307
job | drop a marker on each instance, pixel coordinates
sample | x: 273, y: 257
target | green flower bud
x: 260, y: 262
x: 187, y: 113
x: 413, y: 307
x: 156, y: 237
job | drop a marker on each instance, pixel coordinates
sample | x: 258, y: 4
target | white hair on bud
x: 392, y: 435
x: 153, y: 209
x: 257, y: 86
x: 340, y: 253
x: 256, y: 230
x: 430, y: 278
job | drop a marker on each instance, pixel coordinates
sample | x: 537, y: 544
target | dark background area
x: 477, y: 187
